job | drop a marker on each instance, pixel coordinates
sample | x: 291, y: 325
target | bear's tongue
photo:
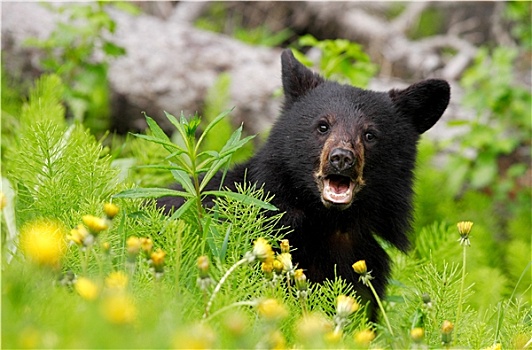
x: 337, y: 189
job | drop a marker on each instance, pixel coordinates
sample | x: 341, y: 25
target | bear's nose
x: 341, y: 159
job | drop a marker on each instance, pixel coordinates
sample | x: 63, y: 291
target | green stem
x: 381, y: 307
x: 230, y: 306
x: 462, y: 283
x: 221, y: 282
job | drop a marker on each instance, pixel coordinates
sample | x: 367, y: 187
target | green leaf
x: 242, y: 198
x: 182, y: 209
x: 212, y: 125
x: 166, y: 144
x: 136, y: 193
x: 184, y: 180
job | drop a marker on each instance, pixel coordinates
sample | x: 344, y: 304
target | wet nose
x: 341, y: 159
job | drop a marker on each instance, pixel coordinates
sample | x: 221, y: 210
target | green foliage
x: 217, y: 18
x: 48, y: 156
x: 341, y: 60
x: 69, y: 52
x: 502, y: 124
x: 429, y: 23
x: 61, y: 173
x: 519, y: 13
x: 215, y: 103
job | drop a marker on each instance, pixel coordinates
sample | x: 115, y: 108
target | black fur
x: 325, y: 237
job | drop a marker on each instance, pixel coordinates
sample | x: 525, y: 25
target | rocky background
x: 170, y: 64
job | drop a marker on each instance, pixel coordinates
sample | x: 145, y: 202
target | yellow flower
x: 417, y: 334
x: 271, y: 309
x: 157, y: 259
x: 277, y: 266
x: 286, y: 260
x: 346, y: 305
x: 312, y: 327
x: 364, y: 337
x: 497, y: 346
x: 133, y: 246
x: 300, y: 279
x: 146, y: 245
x: 79, y: 235
x: 119, y: 308
x: 106, y: 247
x: 464, y: 229
x: 262, y: 250
x: 285, y: 246
x: 334, y: 337
x: 203, y: 265
x: 198, y: 336
x: 447, y: 327
x: 116, y: 280
x: 110, y: 210
x: 95, y: 224
x: 276, y: 340
x: 3, y: 200
x: 87, y: 289
x: 360, y: 267
x: 446, y: 332
x: 43, y: 242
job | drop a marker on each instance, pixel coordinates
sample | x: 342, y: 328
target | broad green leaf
x: 184, y: 180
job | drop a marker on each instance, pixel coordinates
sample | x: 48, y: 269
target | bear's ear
x: 424, y: 102
x: 297, y: 79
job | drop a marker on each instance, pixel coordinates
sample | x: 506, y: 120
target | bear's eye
x: 370, y: 137
x: 323, y: 127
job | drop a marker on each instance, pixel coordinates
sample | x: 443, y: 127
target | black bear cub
x: 339, y: 161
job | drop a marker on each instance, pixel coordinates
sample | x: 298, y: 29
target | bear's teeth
x: 337, y: 190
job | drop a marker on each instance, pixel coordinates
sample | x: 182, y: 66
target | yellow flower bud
x: 119, y: 308
x: 95, y: 224
x: 3, y: 200
x: 360, y: 267
x: 146, y: 245
x: 286, y: 260
x: 464, y: 227
x: 417, y: 334
x: 277, y: 266
x: 262, y: 250
x: 203, y: 266
x: 43, y: 242
x: 271, y: 309
x: 285, y: 246
x: 116, y: 280
x: 364, y: 337
x: 300, y: 279
x: 346, y: 305
x: 133, y: 246
x: 79, y: 235
x: 87, y: 289
x: 110, y: 210
x: 333, y: 337
x: 312, y: 326
x: 447, y: 327
x: 157, y: 258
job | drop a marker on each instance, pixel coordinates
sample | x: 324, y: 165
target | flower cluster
x: 155, y: 258
x: 85, y: 235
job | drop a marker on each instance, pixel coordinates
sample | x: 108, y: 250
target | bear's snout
x: 341, y: 159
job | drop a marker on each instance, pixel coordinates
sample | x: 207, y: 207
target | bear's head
x: 341, y: 144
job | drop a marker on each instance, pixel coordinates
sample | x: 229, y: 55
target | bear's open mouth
x: 338, y: 189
